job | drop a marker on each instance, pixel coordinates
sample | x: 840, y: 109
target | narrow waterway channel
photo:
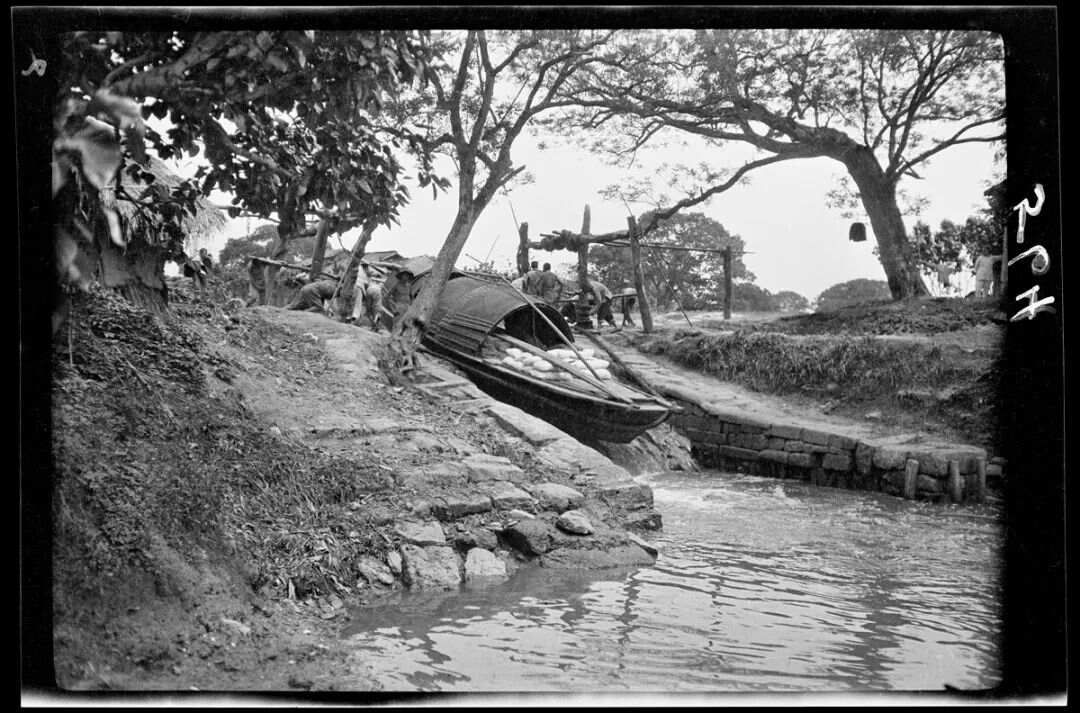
x: 762, y: 585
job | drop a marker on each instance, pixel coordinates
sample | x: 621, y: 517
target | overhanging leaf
x: 98, y: 148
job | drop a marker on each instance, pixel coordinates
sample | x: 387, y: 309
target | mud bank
x: 228, y: 484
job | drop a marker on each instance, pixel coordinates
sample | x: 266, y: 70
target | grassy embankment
x: 925, y: 365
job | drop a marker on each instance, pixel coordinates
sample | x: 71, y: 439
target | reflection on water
x: 759, y: 587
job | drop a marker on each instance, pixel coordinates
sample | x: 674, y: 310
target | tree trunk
x: 878, y: 195
x: 410, y: 329
x: 322, y: 233
x: 292, y: 222
x: 353, y: 268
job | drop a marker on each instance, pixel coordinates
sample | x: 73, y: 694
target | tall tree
x: 286, y: 120
x: 498, y: 84
x: 881, y: 103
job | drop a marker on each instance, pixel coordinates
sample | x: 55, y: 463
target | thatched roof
x: 200, y: 227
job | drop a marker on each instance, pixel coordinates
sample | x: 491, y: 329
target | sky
x: 794, y: 240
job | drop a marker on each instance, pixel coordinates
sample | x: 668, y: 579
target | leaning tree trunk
x: 347, y: 296
x: 292, y: 223
x: 878, y: 195
x: 410, y: 329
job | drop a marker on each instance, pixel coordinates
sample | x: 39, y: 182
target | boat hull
x: 585, y: 418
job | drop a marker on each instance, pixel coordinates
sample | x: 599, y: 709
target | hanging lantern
x: 857, y: 234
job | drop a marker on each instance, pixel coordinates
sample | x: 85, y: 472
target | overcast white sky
x: 798, y: 243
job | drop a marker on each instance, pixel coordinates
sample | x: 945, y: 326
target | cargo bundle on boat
x: 522, y: 351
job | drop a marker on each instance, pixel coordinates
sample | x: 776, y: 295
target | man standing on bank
x: 531, y: 284
x: 550, y: 287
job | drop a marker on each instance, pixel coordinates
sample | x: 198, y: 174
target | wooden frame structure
x: 631, y: 237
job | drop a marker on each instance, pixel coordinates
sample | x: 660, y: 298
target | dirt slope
x: 219, y: 477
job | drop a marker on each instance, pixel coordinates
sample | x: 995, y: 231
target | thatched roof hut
x: 137, y: 270
x: 199, y: 228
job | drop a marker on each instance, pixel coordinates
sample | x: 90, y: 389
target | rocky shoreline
x: 278, y: 480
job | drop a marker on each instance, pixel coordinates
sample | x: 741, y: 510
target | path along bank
x: 732, y: 427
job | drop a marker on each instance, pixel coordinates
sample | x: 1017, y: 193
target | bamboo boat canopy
x: 470, y: 308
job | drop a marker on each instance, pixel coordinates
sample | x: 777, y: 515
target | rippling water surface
x: 762, y: 585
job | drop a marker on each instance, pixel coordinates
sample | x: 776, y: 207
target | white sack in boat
x: 541, y: 365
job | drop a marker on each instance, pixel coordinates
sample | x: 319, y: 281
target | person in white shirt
x: 984, y: 274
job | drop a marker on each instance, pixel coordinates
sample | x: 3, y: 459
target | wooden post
x: 581, y: 314
x: 523, y: 249
x: 639, y: 276
x: 911, y: 478
x: 321, y: 234
x: 1004, y: 281
x: 978, y: 484
x: 727, y: 282
x: 956, y: 484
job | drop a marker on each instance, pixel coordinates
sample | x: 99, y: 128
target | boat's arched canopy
x: 471, y: 307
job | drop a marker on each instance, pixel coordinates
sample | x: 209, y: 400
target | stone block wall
x: 731, y: 441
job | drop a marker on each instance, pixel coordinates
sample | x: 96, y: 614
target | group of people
x: 548, y: 286
x: 322, y: 295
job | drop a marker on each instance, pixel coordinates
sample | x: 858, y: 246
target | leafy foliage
x: 286, y: 121
x: 475, y: 110
x: 259, y: 243
x: 748, y: 297
x: 880, y: 102
x: 853, y: 292
x: 788, y: 301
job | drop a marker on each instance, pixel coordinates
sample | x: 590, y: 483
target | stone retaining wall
x: 726, y: 440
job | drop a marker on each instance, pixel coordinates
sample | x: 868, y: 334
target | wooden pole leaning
x: 727, y: 283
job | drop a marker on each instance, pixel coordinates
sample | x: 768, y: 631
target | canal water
x: 761, y: 586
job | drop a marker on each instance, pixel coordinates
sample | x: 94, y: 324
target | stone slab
x: 506, y: 496
x: 430, y: 568
x: 420, y: 533
x: 785, y: 431
x: 484, y: 565
x: 833, y: 461
x: 553, y: 496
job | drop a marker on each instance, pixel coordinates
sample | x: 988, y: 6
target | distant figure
x: 313, y: 296
x: 551, y: 287
x: 943, y: 270
x: 531, y: 283
x: 628, y: 301
x: 256, y: 282
x: 603, y: 304
x: 367, y: 298
x: 207, y: 261
x: 984, y: 274
x: 194, y: 269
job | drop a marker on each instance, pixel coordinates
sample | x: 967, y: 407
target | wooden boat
x: 482, y: 324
